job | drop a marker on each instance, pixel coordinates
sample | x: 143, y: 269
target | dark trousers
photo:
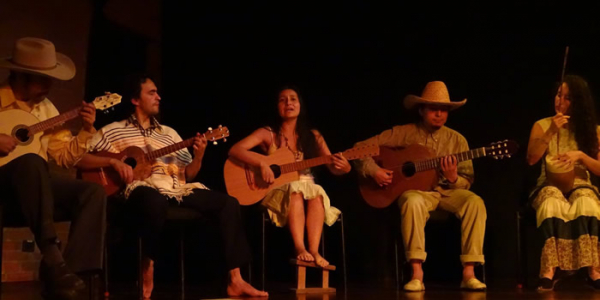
x: 148, y: 209
x: 29, y: 193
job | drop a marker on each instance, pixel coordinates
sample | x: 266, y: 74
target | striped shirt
x: 168, y: 172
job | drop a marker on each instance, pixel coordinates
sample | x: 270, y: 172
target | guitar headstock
x: 361, y: 152
x: 502, y: 149
x: 212, y: 135
x: 107, y: 101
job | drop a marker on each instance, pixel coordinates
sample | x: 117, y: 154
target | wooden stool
x: 301, y: 274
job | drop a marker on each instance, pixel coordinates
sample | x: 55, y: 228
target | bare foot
x: 594, y: 275
x: 319, y: 260
x: 549, y: 274
x: 148, y: 277
x: 237, y: 287
x: 303, y: 255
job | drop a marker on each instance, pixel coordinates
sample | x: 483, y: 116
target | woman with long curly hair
x: 568, y: 218
x: 301, y: 203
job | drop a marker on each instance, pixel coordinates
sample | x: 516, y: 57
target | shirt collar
x: 425, y: 133
x: 154, y: 125
x: 7, y: 97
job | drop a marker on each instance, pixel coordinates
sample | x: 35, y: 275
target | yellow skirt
x: 277, y: 201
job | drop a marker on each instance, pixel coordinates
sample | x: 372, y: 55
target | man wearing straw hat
x: 451, y: 193
x: 27, y: 188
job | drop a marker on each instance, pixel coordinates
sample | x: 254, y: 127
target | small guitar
x: 416, y: 169
x: 246, y: 184
x: 28, y: 130
x: 140, y: 161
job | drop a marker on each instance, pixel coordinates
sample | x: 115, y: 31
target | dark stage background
x: 354, y: 62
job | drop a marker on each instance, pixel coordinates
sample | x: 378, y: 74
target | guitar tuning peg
x: 215, y: 142
x: 508, y: 155
x: 210, y: 129
x: 220, y: 126
x: 496, y: 157
x: 225, y: 140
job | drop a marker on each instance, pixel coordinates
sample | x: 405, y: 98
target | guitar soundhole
x: 22, y: 134
x: 408, y: 169
x: 276, y: 170
x: 131, y: 162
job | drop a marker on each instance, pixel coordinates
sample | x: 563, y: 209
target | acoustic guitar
x: 28, y: 130
x: 140, y: 161
x: 416, y: 169
x: 245, y: 182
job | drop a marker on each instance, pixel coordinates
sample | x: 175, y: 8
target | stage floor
x: 30, y: 290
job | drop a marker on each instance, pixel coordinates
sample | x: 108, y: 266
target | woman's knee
x: 296, y: 197
x: 317, y: 201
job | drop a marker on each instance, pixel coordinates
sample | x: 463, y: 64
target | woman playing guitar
x: 300, y: 203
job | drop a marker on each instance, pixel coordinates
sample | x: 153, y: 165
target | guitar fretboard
x: 47, y: 124
x: 305, y: 164
x: 434, y: 163
x: 350, y: 154
x: 169, y: 149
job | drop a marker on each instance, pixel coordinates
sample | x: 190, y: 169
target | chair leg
x: 1, y: 241
x: 106, y: 292
x: 250, y: 273
x: 262, y: 269
x: 344, y: 255
x: 396, y: 264
x: 92, y: 286
x: 140, y: 270
x: 519, y: 265
x: 181, y: 263
x: 483, y: 273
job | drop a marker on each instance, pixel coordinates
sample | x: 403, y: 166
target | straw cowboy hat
x: 38, y: 56
x: 435, y: 93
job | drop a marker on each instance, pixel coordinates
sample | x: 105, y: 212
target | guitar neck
x: 52, y: 122
x: 434, y: 163
x: 169, y: 149
x: 305, y: 164
x: 350, y: 154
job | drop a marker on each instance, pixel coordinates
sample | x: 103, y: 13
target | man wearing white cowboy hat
x: 451, y: 193
x: 27, y: 187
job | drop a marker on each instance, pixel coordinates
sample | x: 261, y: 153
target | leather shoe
x: 59, y: 282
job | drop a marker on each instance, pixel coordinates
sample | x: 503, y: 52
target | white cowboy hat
x: 38, y: 56
x: 434, y: 93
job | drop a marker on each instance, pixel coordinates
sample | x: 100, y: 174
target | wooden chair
x: 266, y: 219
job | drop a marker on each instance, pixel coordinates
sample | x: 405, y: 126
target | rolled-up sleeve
x: 394, y: 137
x: 67, y: 149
